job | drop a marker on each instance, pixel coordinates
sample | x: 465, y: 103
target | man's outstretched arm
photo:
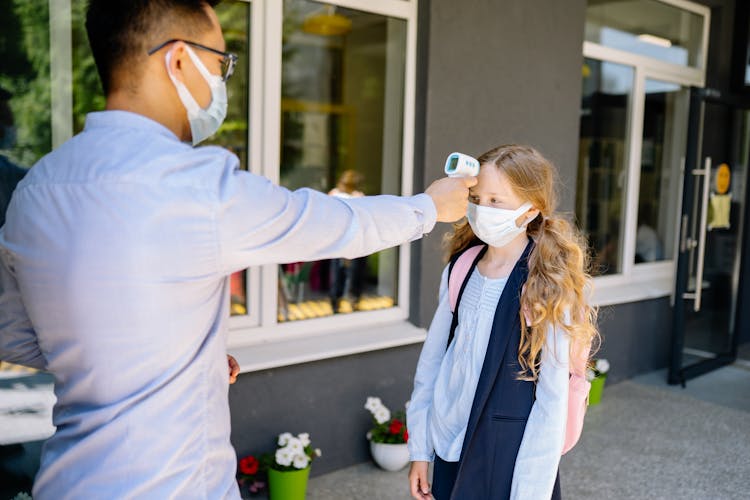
x: 261, y: 223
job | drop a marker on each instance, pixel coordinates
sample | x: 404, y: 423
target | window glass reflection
x: 664, y: 136
x: 647, y: 27
x: 25, y: 98
x: 342, y: 113
x: 602, y: 167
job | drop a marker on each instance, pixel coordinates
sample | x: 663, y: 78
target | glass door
x: 710, y: 235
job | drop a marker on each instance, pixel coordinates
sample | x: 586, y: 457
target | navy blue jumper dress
x: 501, y: 407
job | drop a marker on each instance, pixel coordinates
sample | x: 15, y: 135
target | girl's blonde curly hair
x: 555, y: 293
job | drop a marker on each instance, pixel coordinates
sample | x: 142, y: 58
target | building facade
x: 641, y: 104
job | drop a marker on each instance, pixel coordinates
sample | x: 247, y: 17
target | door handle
x: 702, y: 236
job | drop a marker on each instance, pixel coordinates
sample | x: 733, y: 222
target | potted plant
x: 597, y: 375
x: 388, y: 437
x: 289, y: 467
x: 250, y: 475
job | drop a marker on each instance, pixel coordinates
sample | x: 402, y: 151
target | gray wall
x: 635, y: 337
x: 500, y: 72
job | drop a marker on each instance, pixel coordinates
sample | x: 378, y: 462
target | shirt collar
x: 126, y: 119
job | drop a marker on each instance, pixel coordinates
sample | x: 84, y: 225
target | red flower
x: 406, y: 436
x: 396, y: 426
x: 249, y: 465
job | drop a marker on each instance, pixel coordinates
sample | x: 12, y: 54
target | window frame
x: 260, y: 326
x: 643, y: 281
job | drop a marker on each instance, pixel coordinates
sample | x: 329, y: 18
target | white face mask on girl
x: 203, y: 122
x: 496, y: 226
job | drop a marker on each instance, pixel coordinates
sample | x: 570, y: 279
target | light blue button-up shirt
x: 115, y: 257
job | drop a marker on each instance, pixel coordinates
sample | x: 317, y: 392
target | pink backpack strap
x: 458, y: 272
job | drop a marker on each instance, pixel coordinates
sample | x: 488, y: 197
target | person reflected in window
x: 344, y: 271
x: 648, y: 246
x: 10, y: 173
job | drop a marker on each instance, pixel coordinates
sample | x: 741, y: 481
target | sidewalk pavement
x: 646, y: 440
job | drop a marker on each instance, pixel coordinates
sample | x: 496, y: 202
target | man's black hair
x: 122, y: 31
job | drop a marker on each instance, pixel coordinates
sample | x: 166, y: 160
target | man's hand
x: 420, y: 488
x: 234, y: 369
x: 451, y: 197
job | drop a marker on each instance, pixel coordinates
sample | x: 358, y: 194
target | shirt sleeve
x: 433, y: 351
x: 539, y: 455
x: 261, y: 223
x: 18, y: 342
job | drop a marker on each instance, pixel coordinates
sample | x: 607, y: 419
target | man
x: 117, y: 249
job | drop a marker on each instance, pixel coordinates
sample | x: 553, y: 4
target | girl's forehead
x: 492, y: 179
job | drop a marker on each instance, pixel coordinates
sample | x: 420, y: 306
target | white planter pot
x: 392, y: 457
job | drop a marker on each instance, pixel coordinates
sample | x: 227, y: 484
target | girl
x: 489, y: 405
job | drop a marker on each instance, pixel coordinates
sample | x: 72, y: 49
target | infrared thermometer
x: 461, y: 165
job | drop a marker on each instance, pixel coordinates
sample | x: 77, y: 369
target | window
x: 602, y: 169
x: 633, y: 133
x: 330, y: 102
x: 651, y: 28
x: 342, y: 94
x: 663, y: 146
x: 25, y: 83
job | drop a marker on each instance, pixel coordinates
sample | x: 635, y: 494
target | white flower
x: 373, y: 404
x: 318, y: 453
x: 369, y: 435
x: 284, y: 438
x: 295, y: 446
x: 590, y: 375
x: 301, y: 461
x: 406, y: 405
x: 305, y: 439
x: 382, y: 415
x: 283, y: 457
x: 602, y: 365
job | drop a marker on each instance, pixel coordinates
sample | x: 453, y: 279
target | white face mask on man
x: 203, y: 122
x: 496, y: 226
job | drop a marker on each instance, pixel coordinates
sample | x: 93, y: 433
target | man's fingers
x: 470, y: 181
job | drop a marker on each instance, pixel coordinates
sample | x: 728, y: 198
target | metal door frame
x: 678, y: 374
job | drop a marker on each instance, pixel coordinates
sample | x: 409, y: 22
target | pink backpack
x: 578, y: 386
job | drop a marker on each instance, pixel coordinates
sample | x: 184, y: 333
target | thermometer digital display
x: 461, y: 165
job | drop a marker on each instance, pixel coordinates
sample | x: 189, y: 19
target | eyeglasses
x: 228, y: 59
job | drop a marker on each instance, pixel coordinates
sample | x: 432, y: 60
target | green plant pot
x: 597, y: 387
x: 291, y: 485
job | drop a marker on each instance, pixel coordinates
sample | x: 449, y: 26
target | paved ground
x: 646, y: 440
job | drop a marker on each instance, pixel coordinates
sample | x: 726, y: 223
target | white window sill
x: 646, y: 282
x: 292, y: 351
